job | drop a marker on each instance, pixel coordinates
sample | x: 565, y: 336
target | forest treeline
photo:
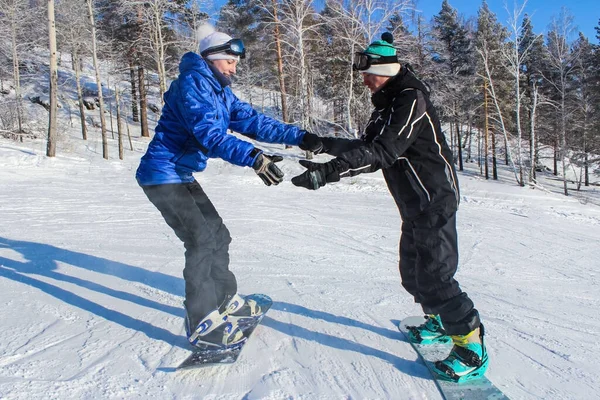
x: 505, y: 93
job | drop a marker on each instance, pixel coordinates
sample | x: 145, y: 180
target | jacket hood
x: 193, y: 62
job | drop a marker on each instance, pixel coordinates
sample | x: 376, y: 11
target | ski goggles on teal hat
x: 234, y: 47
x: 362, y: 61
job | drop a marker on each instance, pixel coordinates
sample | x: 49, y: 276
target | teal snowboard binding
x: 467, y: 361
x: 430, y: 332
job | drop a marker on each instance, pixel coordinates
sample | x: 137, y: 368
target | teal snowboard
x: 480, y: 389
x: 206, y: 356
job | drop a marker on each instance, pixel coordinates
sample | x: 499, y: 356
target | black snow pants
x: 428, y: 262
x: 188, y: 211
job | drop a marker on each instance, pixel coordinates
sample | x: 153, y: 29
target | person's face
x: 226, y: 67
x: 374, y: 82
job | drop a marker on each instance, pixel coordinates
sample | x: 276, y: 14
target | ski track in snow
x: 92, y: 288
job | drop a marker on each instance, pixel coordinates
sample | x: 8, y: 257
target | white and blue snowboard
x: 480, y: 389
x: 208, y: 355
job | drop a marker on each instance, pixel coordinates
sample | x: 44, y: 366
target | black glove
x: 265, y: 167
x: 318, y: 174
x: 311, y: 142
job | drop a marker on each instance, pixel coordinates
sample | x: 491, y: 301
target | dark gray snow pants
x: 188, y: 211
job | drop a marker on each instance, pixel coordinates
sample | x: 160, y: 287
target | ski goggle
x: 234, y: 47
x: 363, y: 61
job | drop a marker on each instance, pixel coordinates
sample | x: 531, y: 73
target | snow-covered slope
x: 91, y: 285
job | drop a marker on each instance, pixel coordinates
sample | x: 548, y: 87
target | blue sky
x: 585, y: 12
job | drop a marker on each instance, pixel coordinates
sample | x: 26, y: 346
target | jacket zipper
x: 416, y: 176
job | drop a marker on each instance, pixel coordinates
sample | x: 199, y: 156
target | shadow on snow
x: 41, y: 259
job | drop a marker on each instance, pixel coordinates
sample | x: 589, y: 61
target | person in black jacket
x: 404, y: 139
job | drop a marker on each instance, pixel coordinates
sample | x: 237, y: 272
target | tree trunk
x: 134, y: 97
x: 486, y: 129
x: 119, y: 130
x: 470, y: 141
x: 585, y: 147
x: 17, y: 78
x: 479, y: 151
x: 52, y: 122
x: 494, y: 159
x: 452, y: 141
x: 506, y: 150
x: 458, y: 139
x: 110, y: 109
x: 98, y: 81
x: 284, y: 113
x: 563, y: 138
x: 586, y: 169
x: 129, y: 135
x: 143, y: 103
x: 532, y: 138
x: 159, y: 46
x: 350, y: 96
x: 555, y: 171
x: 77, y: 68
x: 520, y: 180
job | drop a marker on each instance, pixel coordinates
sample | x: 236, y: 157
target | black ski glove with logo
x: 318, y: 174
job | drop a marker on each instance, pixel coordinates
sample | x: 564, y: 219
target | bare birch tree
x: 98, y: 79
x: 358, y: 23
x: 297, y: 23
x: 515, y: 54
x: 484, y: 53
x: 72, y: 28
x: 279, y: 56
x: 153, y: 21
x: 13, y: 16
x: 561, y: 60
x: 52, y: 119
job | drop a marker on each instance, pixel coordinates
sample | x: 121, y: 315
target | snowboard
x: 207, y: 356
x: 480, y: 389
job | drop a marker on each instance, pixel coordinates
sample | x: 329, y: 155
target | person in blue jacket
x: 199, y: 109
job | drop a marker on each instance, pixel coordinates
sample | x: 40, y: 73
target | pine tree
x: 493, y: 83
x: 455, y: 59
x: 561, y: 66
x: 583, y: 136
x: 532, y: 46
x: 406, y: 43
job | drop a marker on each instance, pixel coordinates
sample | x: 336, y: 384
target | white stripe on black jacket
x: 404, y: 139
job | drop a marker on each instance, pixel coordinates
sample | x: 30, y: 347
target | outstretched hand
x: 311, y: 142
x: 265, y: 168
x: 318, y: 174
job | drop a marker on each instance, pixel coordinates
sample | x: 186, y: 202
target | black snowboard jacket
x: 404, y: 139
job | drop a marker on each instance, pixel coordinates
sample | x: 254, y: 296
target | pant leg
x: 436, y: 244
x: 178, y: 208
x: 408, y: 261
x: 225, y: 282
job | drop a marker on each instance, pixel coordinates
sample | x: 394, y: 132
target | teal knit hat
x: 383, y: 48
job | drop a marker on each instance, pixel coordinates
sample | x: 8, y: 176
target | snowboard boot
x: 468, y: 359
x: 430, y: 332
x: 240, y: 308
x: 214, y: 331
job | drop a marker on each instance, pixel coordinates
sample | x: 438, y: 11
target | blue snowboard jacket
x: 199, y: 109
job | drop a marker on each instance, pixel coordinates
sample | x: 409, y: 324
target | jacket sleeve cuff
x: 254, y: 155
